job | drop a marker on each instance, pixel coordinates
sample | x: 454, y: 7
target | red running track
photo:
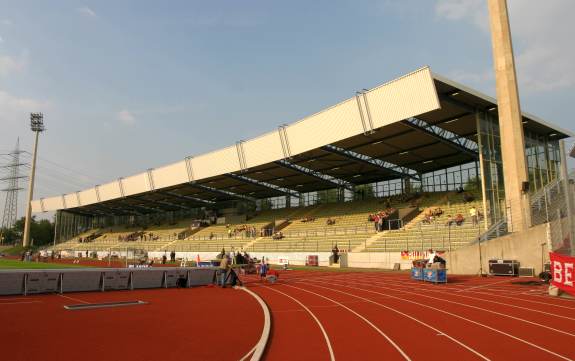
x: 315, y: 316
x: 384, y: 315
x: 176, y: 324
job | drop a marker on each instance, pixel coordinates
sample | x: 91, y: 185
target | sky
x: 130, y: 85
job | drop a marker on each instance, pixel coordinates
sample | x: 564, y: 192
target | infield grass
x: 17, y: 264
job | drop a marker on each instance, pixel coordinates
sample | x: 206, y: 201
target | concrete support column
x: 510, y: 120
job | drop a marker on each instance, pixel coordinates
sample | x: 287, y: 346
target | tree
x: 42, y: 232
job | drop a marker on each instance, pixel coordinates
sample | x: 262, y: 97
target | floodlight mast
x: 37, y: 126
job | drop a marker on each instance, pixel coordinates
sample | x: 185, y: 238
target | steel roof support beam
x: 170, y: 204
x: 152, y: 209
x: 88, y: 212
x: 453, y: 140
x: 188, y: 198
x: 113, y: 210
x: 222, y: 192
x: 160, y: 202
x: 448, y: 98
x: 248, y: 180
x: 339, y: 183
x: 387, y: 167
x: 431, y: 160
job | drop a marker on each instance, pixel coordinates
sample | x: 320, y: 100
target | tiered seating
x: 350, y: 229
x: 216, y: 237
x: 419, y: 235
x: 74, y: 242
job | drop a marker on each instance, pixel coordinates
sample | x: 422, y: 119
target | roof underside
x: 434, y: 140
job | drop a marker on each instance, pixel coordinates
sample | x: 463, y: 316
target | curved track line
x: 483, y: 292
x: 411, y: 318
x: 432, y: 289
x: 325, y: 336
x: 248, y: 354
x: 74, y: 299
x: 18, y: 303
x: 509, y: 291
x: 260, y: 346
x: 360, y: 316
x: 482, y: 309
x: 460, y: 317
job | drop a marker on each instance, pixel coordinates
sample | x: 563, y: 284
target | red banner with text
x: 562, y: 272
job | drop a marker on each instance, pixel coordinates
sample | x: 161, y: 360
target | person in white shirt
x: 473, y: 214
x: 432, y: 255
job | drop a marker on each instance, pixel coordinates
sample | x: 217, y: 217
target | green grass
x: 17, y: 264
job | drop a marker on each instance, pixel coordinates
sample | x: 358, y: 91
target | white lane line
x: 74, y: 299
x: 14, y: 298
x: 18, y: 303
x: 459, y: 317
x: 246, y: 356
x: 439, y: 332
x: 515, y: 297
x: 317, y: 321
x: 361, y: 317
x: 485, y: 300
x: 260, y: 346
x: 482, y: 309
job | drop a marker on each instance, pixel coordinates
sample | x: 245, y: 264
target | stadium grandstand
x: 411, y: 165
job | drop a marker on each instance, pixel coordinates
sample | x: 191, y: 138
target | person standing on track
x: 223, y: 271
x: 263, y: 270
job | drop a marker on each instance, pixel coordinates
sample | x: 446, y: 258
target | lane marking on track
x: 439, y: 332
x: 514, y: 297
x: 74, y: 299
x: 481, y: 309
x: 246, y: 356
x: 260, y: 346
x: 18, y: 303
x: 459, y: 317
x: 14, y: 298
x: 361, y: 317
x: 490, y: 301
x: 484, y: 285
x: 317, y: 321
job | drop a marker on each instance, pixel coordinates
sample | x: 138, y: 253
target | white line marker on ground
x: 457, y: 316
x: 18, y: 303
x: 260, y: 346
x: 325, y: 336
x: 74, y: 299
x: 360, y: 316
x: 439, y: 332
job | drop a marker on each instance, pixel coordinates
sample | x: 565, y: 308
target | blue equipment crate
x: 417, y: 273
x: 435, y: 275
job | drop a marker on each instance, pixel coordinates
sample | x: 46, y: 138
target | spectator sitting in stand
x: 330, y: 222
x: 459, y: 219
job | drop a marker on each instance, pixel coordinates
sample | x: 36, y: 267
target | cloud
x: 542, y: 38
x: 467, y: 77
x: 6, y: 22
x: 126, y: 117
x: 16, y: 108
x: 86, y: 11
x: 10, y: 64
x: 1, y: 40
x: 464, y: 10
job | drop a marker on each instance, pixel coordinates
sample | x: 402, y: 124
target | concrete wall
x: 528, y: 247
